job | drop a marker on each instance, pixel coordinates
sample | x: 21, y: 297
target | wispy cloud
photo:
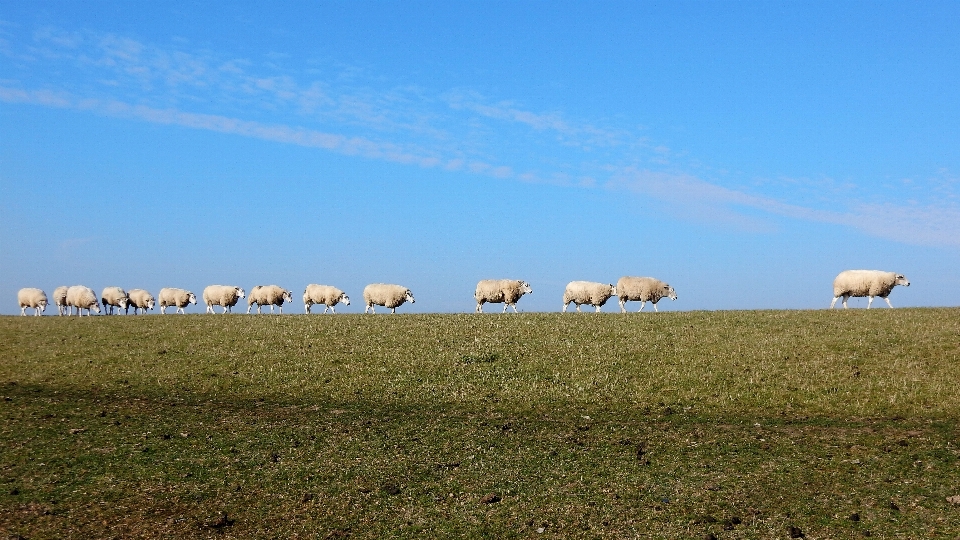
x: 927, y: 224
x: 342, y: 110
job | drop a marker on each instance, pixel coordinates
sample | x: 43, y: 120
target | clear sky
x: 744, y: 152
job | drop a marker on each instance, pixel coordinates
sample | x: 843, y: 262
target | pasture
x: 737, y: 424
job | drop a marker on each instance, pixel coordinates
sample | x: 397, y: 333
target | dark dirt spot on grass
x: 795, y: 532
x: 490, y: 498
x: 707, y: 518
x: 219, y: 521
x: 390, y: 489
x: 307, y: 497
x: 855, y: 516
x: 894, y: 506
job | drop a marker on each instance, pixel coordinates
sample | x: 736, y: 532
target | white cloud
x: 457, y: 130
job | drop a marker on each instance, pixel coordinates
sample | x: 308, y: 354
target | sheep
x: 225, y: 296
x: 114, y: 297
x: 170, y: 296
x: 870, y: 283
x: 587, y: 292
x: 644, y: 289
x: 32, y: 298
x: 496, y: 291
x: 60, y: 298
x: 140, y: 299
x: 324, y: 294
x: 382, y: 294
x: 272, y: 295
x: 82, y: 298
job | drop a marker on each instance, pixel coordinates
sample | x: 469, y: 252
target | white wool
x: 497, y: 291
x: 869, y: 283
x: 179, y: 298
x: 225, y: 296
x: 643, y: 289
x: 587, y: 292
x: 327, y: 295
x: 268, y: 295
x: 387, y: 295
x: 32, y: 298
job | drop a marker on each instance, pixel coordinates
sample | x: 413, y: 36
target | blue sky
x: 743, y: 152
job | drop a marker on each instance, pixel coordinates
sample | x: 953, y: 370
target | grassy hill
x: 756, y: 424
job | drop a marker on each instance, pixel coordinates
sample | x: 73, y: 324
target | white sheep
x: 268, y: 295
x: 32, y: 298
x: 383, y: 294
x: 870, y: 283
x: 496, y: 291
x: 140, y: 300
x: 171, y: 296
x: 60, y: 299
x: 644, y: 289
x: 587, y: 292
x: 82, y: 298
x: 324, y: 294
x: 114, y: 297
x: 225, y: 296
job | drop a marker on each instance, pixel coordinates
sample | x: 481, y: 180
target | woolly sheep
x: 114, y: 297
x: 60, y: 298
x: 587, y: 292
x: 870, y: 283
x: 140, y: 299
x: 496, y: 291
x: 644, y: 289
x: 32, y: 298
x: 324, y: 294
x: 225, y: 296
x: 171, y: 296
x: 383, y: 294
x: 82, y: 298
x: 268, y: 295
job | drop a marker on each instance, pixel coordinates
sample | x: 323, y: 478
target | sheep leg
x: 888, y: 302
x: 835, y: 298
x: 514, y: 306
x: 578, y: 308
x: 655, y: 307
x: 845, y: 297
x: 642, y: 303
x: 271, y: 309
x: 23, y: 311
x: 393, y: 311
x: 279, y: 308
x: 598, y: 308
x: 564, y: 310
x: 479, y: 307
x: 333, y: 309
x: 869, y: 301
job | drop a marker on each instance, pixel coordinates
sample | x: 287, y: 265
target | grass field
x: 758, y: 424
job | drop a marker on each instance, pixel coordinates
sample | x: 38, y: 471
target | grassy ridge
x: 736, y: 424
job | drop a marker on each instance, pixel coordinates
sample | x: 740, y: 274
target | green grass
x: 676, y: 425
